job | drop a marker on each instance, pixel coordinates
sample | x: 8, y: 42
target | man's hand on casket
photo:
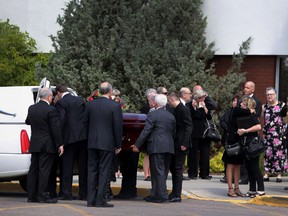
x: 134, y: 148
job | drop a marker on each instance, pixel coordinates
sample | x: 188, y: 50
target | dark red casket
x: 133, y: 123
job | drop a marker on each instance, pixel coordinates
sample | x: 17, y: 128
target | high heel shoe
x: 231, y: 193
x: 238, y: 192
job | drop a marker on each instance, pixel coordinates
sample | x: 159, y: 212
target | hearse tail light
x: 25, y: 143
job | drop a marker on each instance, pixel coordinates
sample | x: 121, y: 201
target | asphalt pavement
x: 217, y: 191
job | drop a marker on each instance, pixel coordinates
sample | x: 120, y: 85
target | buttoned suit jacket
x: 45, y: 128
x: 159, y: 132
x: 184, y: 126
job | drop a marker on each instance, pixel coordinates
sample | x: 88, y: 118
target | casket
x: 133, y: 123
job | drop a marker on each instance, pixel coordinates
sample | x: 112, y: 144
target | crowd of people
x: 90, y: 135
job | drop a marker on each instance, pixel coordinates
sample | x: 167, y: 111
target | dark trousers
x: 99, y: 172
x: 203, y: 147
x: 74, y: 152
x: 38, y: 175
x: 159, y: 168
x: 52, y: 185
x: 128, y: 168
x: 254, y: 174
x: 243, y: 172
x: 177, y: 168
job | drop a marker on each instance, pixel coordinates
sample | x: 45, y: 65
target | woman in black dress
x: 252, y: 163
x: 234, y: 162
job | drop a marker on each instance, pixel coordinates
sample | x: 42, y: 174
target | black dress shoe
x: 155, y: 200
x: 186, y: 178
x: 286, y: 188
x: 124, y: 196
x: 64, y: 198
x: 32, y: 200
x: 49, y: 200
x: 223, y: 180
x: 80, y: 198
x: 104, y: 205
x: 192, y: 177
x: 266, y: 179
x: 90, y: 205
x: 279, y: 180
x: 206, y: 177
x: 175, y: 199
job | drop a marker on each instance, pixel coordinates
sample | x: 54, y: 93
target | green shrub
x: 216, y: 163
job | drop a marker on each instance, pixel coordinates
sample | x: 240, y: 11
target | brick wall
x: 260, y: 69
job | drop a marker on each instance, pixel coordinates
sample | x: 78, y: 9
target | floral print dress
x: 275, y: 160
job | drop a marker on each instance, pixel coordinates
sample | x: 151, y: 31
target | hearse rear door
x: 44, y: 83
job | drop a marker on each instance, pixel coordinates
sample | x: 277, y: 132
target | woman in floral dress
x: 275, y: 160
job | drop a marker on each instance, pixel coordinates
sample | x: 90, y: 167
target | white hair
x: 161, y: 100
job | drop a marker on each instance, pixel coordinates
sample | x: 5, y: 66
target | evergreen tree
x: 136, y: 45
x: 17, y: 56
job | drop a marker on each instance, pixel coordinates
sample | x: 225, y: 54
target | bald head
x: 105, y: 88
x: 249, y: 88
x: 185, y: 94
x: 197, y: 87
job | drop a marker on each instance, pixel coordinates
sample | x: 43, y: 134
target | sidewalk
x: 215, y: 190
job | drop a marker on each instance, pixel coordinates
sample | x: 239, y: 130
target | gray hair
x: 116, y: 92
x: 149, y: 91
x: 161, y: 100
x: 45, y: 92
x: 270, y: 89
x: 198, y: 94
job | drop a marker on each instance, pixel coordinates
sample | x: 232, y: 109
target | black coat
x: 104, y: 122
x: 71, y: 110
x: 184, y: 126
x: 199, y: 120
x: 45, y: 128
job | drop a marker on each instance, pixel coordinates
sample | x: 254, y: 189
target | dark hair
x: 173, y: 95
x: 61, y: 87
x: 235, y: 97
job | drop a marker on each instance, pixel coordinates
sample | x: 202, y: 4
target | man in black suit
x: 184, y: 127
x: 249, y: 89
x: 159, y: 132
x: 71, y: 110
x: 45, y: 140
x: 104, y: 122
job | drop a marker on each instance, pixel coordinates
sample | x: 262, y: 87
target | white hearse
x: 14, y: 133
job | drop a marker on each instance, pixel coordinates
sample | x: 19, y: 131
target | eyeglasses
x: 165, y: 93
x: 270, y: 94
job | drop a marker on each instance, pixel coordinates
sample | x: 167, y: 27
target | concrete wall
x: 230, y: 22
x: 37, y: 17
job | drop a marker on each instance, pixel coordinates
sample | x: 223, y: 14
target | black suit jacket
x: 184, y: 126
x: 71, y: 110
x: 258, y: 107
x: 45, y: 128
x: 159, y: 132
x: 104, y: 122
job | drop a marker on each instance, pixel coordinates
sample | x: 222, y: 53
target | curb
x: 268, y: 200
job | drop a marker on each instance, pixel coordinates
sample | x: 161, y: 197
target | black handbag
x: 234, y: 149
x: 211, y: 132
x: 254, y: 147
